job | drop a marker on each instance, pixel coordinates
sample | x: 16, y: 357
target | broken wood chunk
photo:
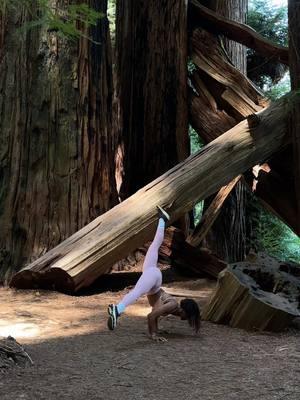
x: 211, y: 214
x: 253, y: 120
x: 263, y: 294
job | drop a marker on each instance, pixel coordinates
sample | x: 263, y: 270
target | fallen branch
x: 240, y: 33
x: 211, y: 214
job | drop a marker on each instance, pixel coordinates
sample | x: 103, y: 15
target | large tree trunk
x: 228, y: 234
x: 234, y: 10
x: 151, y: 44
x: 294, y: 46
x: 227, y: 237
x: 57, y: 150
x: 83, y: 257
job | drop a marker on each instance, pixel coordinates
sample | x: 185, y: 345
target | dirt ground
x: 76, y: 357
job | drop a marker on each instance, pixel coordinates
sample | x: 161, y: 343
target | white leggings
x: 151, y: 278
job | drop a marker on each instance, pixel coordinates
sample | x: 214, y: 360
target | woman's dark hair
x: 191, y: 309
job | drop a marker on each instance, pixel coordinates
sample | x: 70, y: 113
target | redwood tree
x: 294, y: 46
x: 57, y: 149
x: 227, y: 237
x: 151, y: 44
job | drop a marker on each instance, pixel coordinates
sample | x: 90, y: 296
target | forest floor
x: 76, y: 357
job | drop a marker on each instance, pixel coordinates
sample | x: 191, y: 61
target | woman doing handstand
x: 150, y: 284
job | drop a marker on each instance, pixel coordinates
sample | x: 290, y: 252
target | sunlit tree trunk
x: 57, y: 149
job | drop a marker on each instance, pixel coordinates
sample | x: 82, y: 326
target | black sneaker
x: 163, y: 214
x: 113, y: 316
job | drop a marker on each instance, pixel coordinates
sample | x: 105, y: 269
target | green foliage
x: 65, y: 22
x: 191, y: 66
x: 196, y: 142
x: 274, y: 92
x: 272, y: 236
x: 272, y: 23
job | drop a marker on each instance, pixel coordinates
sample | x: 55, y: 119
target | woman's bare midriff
x: 160, y: 298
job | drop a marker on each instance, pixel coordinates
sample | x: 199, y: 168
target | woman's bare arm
x: 157, y: 312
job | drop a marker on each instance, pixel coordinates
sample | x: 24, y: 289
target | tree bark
x: 229, y: 230
x: 85, y: 256
x: 222, y: 96
x: 57, y: 150
x: 227, y: 236
x: 211, y: 214
x: 243, y: 34
x: 151, y: 43
x: 225, y: 98
x: 234, y: 10
x: 294, y: 46
x: 260, y: 295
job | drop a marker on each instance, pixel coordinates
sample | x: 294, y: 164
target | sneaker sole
x: 164, y: 213
x: 111, y: 324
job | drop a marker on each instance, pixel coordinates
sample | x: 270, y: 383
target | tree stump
x: 263, y: 294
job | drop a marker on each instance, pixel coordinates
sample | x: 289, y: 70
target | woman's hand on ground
x: 157, y: 338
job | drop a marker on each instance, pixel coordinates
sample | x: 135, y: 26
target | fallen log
x: 91, y: 252
x: 240, y: 33
x: 262, y: 295
x: 211, y: 214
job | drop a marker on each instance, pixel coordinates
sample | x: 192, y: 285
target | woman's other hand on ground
x: 157, y: 338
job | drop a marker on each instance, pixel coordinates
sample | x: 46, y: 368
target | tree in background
x: 151, y: 70
x: 271, y: 22
x: 57, y: 146
x: 227, y: 237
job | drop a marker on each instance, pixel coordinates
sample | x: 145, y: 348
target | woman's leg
x: 151, y: 276
x: 152, y: 253
x: 148, y: 281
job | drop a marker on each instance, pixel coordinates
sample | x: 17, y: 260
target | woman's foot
x: 163, y: 214
x: 113, y: 316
